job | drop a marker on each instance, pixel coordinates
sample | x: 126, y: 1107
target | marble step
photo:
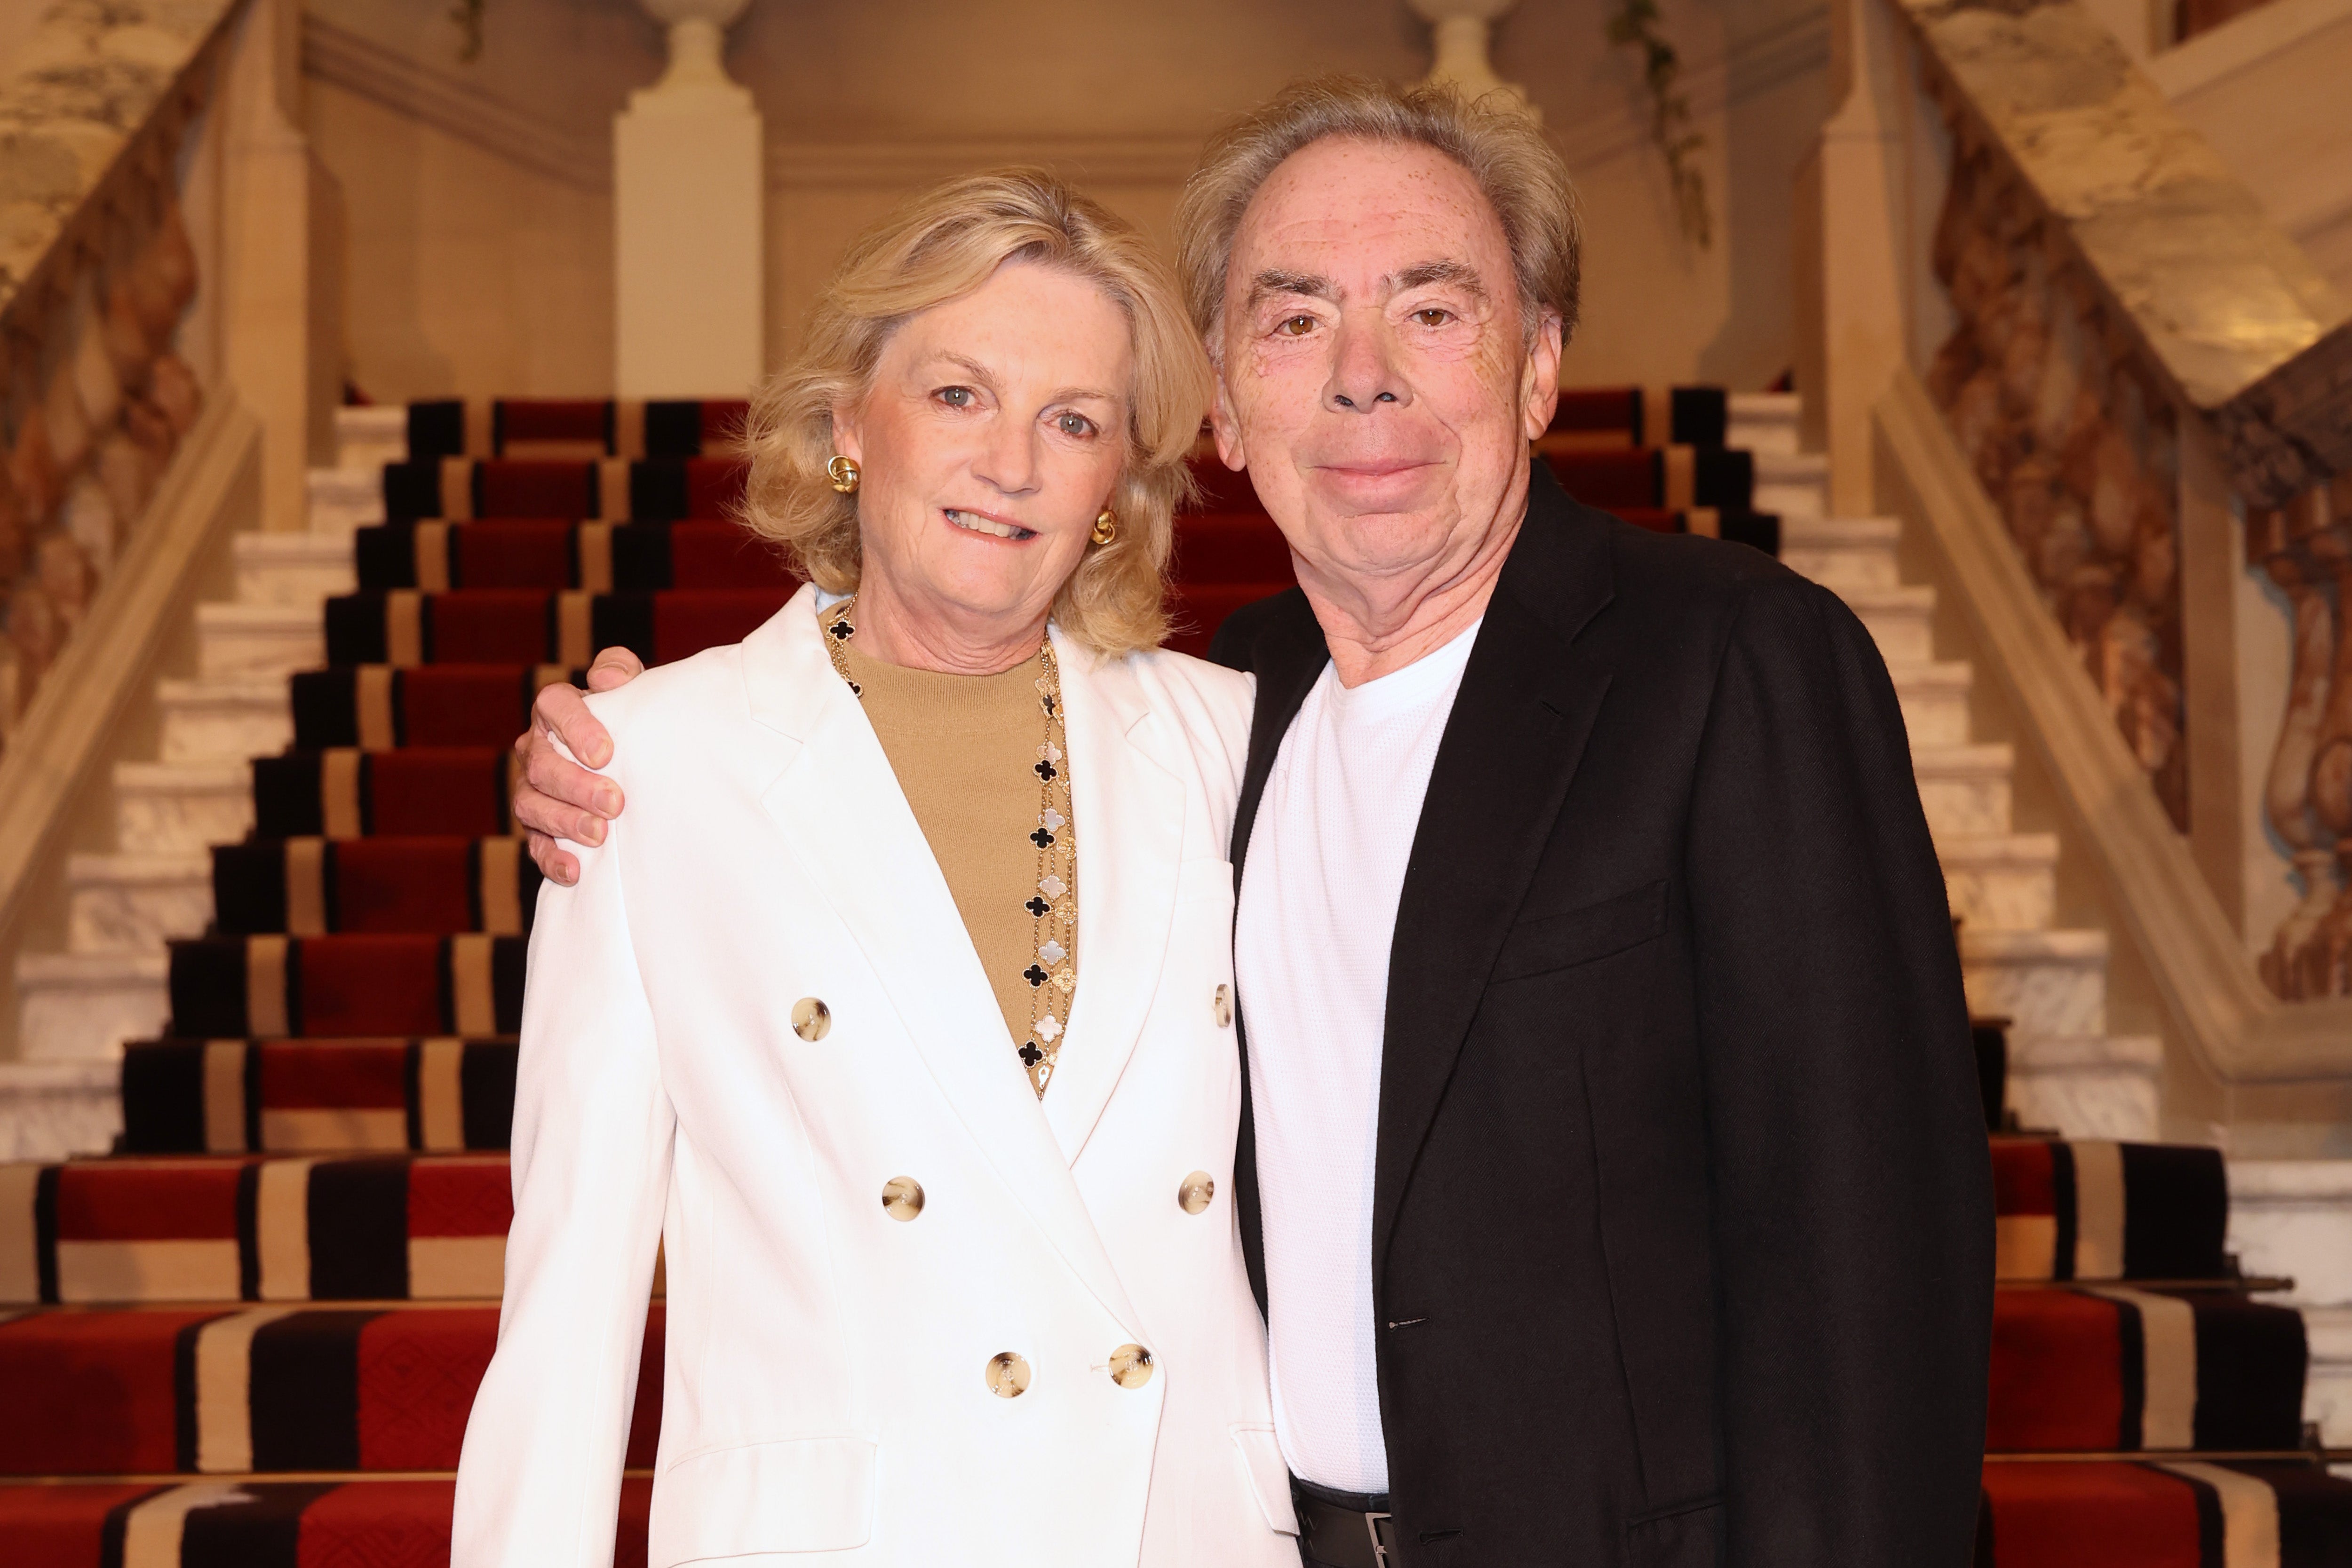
x: 370, y: 436
x: 1965, y: 789
x: 82, y: 1007
x: 1764, y: 422
x: 2327, y: 1375
x: 1901, y: 618
x: 223, y: 721
x: 2295, y: 1218
x: 180, y: 808
x: 344, y: 500
x: 2043, y: 982
x: 2001, y: 882
x: 258, y: 642
x: 50, y: 1109
x: 1842, y: 553
x: 1796, y: 484
x: 292, y: 569
x: 136, y: 904
x: 1935, y: 698
x: 2088, y: 1085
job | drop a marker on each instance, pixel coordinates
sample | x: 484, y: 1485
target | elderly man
x: 1610, y: 1172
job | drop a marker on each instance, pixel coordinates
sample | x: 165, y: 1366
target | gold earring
x: 842, y: 472
x: 1105, y: 527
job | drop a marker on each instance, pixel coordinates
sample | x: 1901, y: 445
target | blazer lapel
x: 1130, y: 822
x: 839, y: 807
x: 1287, y: 661
x: 1511, y: 746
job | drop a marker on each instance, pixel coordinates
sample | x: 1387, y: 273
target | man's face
x: 1374, y: 373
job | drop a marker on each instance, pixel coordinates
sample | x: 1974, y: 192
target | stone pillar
x: 265, y: 284
x: 1460, y: 31
x: 689, y: 216
x: 1861, y: 279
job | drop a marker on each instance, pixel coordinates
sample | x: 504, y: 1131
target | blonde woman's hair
x: 939, y: 246
x: 1522, y: 176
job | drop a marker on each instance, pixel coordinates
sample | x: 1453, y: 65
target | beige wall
x: 476, y: 257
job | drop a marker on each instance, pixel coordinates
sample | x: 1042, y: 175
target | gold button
x: 1199, y: 1191
x: 812, y: 1019
x: 1130, y: 1367
x: 902, y: 1198
x: 1223, y: 1007
x: 1008, y: 1375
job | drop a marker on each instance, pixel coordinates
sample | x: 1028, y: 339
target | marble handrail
x: 2229, y: 312
x: 96, y: 271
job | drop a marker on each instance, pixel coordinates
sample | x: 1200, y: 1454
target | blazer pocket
x: 1270, y: 1475
x: 1688, y: 1537
x: 1595, y: 931
x: 808, y: 1494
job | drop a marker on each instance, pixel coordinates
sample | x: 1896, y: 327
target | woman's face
x: 992, y: 434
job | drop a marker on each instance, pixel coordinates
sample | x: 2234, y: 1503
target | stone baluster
x: 1460, y: 34
x: 2286, y: 801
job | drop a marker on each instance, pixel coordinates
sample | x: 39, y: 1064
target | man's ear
x: 1225, y: 426
x: 1540, y: 378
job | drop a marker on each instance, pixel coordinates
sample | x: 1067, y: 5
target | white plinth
x: 688, y: 213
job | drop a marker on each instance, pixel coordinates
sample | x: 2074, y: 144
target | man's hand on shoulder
x: 557, y: 799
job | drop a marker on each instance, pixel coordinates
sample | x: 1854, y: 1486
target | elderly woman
x: 898, y: 1009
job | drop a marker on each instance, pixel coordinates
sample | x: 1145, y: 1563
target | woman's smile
x: 982, y: 523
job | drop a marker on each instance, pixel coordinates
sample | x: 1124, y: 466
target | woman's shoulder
x: 673, y: 710
x: 1211, y: 703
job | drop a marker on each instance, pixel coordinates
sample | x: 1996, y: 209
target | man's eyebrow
x: 1274, y: 280
x: 1460, y: 274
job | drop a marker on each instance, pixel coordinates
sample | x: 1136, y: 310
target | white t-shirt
x: 1319, y: 907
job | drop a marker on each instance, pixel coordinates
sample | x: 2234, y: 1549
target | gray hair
x: 1518, y: 170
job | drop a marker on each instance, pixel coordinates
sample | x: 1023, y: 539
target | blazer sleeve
x: 1851, y: 1179
x: 539, y: 1479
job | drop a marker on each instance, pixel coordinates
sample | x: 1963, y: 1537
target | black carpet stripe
x: 264, y: 1530
x: 359, y: 1230
x: 2176, y: 1212
x: 163, y: 1097
x: 2062, y: 1193
x: 2250, y: 1368
x: 306, y: 1391
x: 486, y: 1077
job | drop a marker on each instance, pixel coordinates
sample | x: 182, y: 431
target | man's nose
x: 1364, y: 370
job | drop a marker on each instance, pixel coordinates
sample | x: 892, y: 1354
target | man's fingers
x: 614, y: 667
x: 563, y: 801
x: 554, y: 865
x: 562, y: 711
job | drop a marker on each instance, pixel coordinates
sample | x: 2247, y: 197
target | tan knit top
x: 963, y: 748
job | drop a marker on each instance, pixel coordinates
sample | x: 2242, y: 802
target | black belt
x: 1345, y: 1529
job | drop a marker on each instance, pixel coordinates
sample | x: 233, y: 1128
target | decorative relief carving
x: 2074, y: 441
x: 2306, y: 547
x: 93, y: 396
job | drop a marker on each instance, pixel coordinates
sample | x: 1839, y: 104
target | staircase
x: 2066, y: 1072
x: 252, y: 1335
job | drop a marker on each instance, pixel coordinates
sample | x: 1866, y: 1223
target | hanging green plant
x: 1637, y: 22
x: 467, y: 15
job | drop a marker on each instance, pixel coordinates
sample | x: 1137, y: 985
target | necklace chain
x: 1052, y: 973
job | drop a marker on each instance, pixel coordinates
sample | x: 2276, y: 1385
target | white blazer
x: 825, y: 1390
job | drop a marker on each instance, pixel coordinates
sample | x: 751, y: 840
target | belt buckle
x: 1380, y: 1548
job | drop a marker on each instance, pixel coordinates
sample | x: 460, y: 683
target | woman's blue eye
x: 1075, y: 424
x: 956, y: 397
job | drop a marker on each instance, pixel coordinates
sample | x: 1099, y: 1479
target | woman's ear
x: 847, y: 440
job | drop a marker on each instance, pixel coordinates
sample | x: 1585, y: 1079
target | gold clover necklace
x: 1051, y: 974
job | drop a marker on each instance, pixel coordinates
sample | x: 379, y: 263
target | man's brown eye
x: 1298, y: 326
x: 1433, y: 316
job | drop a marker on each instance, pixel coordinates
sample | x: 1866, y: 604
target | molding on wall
x: 433, y: 96
x: 2241, y: 43
x: 361, y: 66
x: 2211, y: 989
